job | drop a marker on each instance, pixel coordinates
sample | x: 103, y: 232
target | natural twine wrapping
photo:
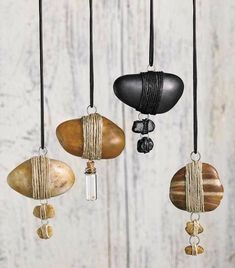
x: 196, y: 226
x: 92, y: 136
x: 194, y: 187
x: 40, y: 177
x: 194, y: 250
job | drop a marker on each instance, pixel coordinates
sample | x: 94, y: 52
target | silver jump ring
x: 42, y: 151
x: 194, y: 240
x: 195, y: 216
x: 44, y: 202
x: 91, y: 110
x: 195, y: 156
x: 46, y: 222
x: 142, y: 116
x: 151, y: 68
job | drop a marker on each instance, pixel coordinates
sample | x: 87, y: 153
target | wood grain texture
x: 133, y: 224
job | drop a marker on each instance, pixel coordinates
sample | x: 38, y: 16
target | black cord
x: 91, y: 58
x: 41, y: 75
x: 151, y: 36
x: 195, y: 117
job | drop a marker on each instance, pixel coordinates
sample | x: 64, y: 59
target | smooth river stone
x: 129, y: 88
x: 45, y: 231
x: 190, y: 228
x: 189, y: 250
x: 213, y: 189
x: 61, y: 178
x: 70, y: 136
x: 145, y: 145
x: 143, y: 126
x: 44, y: 212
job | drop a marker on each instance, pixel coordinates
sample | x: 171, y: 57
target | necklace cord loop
x: 151, y: 36
x: 195, y: 112
x: 41, y: 75
x: 91, y: 57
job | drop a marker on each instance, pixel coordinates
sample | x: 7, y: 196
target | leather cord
x: 151, y: 36
x: 41, y: 75
x: 195, y: 116
x: 91, y: 57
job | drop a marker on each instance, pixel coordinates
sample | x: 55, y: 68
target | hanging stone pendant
x: 92, y: 137
x: 91, y: 181
x: 212, y: 188
x: 196, y: 188
x: 149, y: 92
x: 144, y: 127
x: 71, y: 137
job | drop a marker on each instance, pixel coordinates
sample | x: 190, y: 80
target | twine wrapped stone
x: 212, y: 189
x: 194, y: 187
x: 92, y: 136
x: 40, y: 177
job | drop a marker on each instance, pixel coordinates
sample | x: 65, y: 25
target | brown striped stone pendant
x: 196, y: 188
x: 212, y: 188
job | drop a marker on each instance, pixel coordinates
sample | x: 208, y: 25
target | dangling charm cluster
x: 144, y: 127
x: 92, y: 150
x: 91, y: 181
x: 44, y: 212
x: 194, y: 228
x: 194, y: 204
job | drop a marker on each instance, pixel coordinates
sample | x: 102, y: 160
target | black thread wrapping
x: 152, y: 85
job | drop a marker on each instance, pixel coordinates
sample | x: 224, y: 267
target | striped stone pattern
x: 212, y: 187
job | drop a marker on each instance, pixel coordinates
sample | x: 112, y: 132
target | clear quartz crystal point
x: 91, y: 187
x: 91, y: 181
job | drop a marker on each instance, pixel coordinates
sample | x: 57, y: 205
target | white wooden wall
x: 133, y: 224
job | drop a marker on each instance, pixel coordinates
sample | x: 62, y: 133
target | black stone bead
x: 145, y: 145
x: 143, y: 126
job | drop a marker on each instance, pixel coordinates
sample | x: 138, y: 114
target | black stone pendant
x: 149, y: 93
x: 145, y: 145
x: 143, y: 126
x: 165, y: 88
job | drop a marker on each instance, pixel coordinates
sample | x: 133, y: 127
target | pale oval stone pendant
x: 41, y: 178
x: 62, y: 178
x: 42, y: 175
